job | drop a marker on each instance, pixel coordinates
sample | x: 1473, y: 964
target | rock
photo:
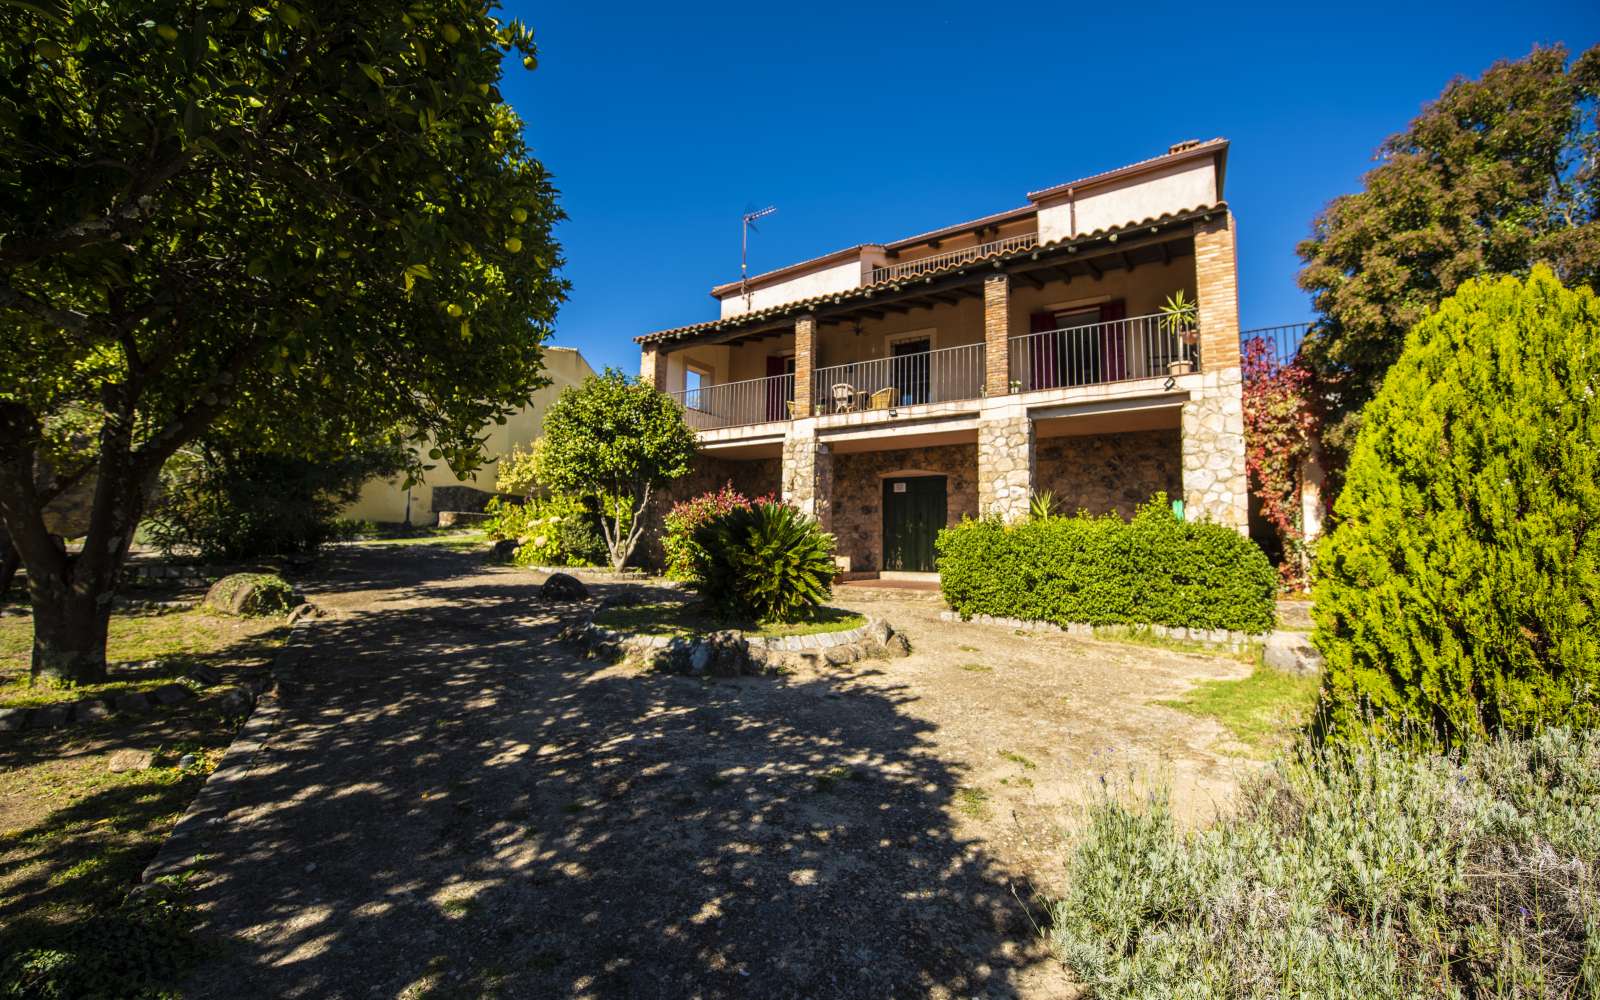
x: 840, y: 656
x: 51, y: 716
x: 204, y: 676
x: 700, y: 659
x: 1292, y: 652
x: 187, y: 761
x: 133, y: 702
x: 170, y: 694
x: 872, y: 649
x: 503, y: 551
x: 306, y: 610
x: 236, y: 699
x: 252, y: 595
x: 130, y: 760
x: 1295, y: 616
x: 897, y: 646
x: 730, y: 654
x: 13, y: 719
x: 91, y: 710
x: 562, y: 587
x: 878, y: 631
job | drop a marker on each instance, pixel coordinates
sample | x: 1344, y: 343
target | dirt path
x: 458, y: 806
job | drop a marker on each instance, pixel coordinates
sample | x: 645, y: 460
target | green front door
x: 913, y: 513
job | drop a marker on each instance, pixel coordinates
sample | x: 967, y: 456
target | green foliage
x: 1153, y: 570
x: 554, y: 531
x: 284, y: 228
x: 615, y: 440
x: 518, y: 472
x: 1456, y: 594
x: 1042, y: 504
x: 1495, y: 175
x: 234, y: 505
x: 685, y: 558
x: 1356, y: 872
x: 136, y: 950
x: 766, y: 562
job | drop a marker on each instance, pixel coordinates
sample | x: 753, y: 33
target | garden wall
x: 753, y: 477
x: 1109, y: 473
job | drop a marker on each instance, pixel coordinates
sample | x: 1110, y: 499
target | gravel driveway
x: 456, y: 805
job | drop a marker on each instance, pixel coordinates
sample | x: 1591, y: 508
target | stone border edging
x: 765, y: 654
x: 214, y: 800
x: 97, y: 708
x: 1220, y: 637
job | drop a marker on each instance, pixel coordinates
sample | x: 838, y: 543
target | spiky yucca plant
x: 766, y: 563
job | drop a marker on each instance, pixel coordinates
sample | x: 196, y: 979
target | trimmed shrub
x: 1153, y: 570
x: 1456, y: 594
x: 1356, y: 871
x: 684, y: 557
x: 554, y: 531
x: 765, y: 563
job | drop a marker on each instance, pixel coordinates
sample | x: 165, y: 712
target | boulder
x: 306, y: 610
x: 133, y: 702
x: 13, y: 719
x: 51, y: 716
x: 840, y: 656
x: 130, y: 760
x: 897, y: 646
x: 730, y: 654
x: 1292, y: 652
x: 562, y: 587
x: 252, y: 595
x: 503, y: 551
x: 170, y: 694
x: 91, y: 710
x: 204, y: 676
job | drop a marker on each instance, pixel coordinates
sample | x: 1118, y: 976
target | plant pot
x: 1183, y: 367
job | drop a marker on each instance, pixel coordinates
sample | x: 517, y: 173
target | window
x: 695, y: 380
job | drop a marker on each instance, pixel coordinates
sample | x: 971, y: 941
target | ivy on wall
x: 1280, y: 426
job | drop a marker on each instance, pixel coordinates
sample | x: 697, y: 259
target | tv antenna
x: 744, y: 249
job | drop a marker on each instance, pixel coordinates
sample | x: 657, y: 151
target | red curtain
x: 1113, y: 341
x: 1044, y: 371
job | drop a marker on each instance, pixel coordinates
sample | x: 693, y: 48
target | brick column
x: 808, y: 473
x: 1216, y: 274
x: 1005, y: 462
x: 996, y: 335
x: 653, y: 366
x: 1215, y: 485
x: 805, y: 338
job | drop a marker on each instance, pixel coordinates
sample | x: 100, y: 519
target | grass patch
x: 449, y: 538
x: 682, y: 618
x: 972, y: 802
x: 977, y: 668
x: 1261, y: 711
x: 179, y: 639
x: 1018, y: 759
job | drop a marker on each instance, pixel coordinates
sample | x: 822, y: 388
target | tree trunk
x: 9, y: 561
x: 69, y: 634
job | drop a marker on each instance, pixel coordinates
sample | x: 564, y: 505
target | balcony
x: 734, y: 404
x: 951, y: 258
x: 1101, y: 353
x: 942, y: 376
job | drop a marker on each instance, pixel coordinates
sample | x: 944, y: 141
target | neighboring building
x: 441, y: 489
x: 890, y: 389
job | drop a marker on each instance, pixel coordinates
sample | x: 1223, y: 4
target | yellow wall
x: 385, y: 501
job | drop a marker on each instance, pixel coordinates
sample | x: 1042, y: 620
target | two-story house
x: 889, y: 389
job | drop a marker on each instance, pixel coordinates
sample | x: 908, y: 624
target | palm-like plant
x: 765, y: 562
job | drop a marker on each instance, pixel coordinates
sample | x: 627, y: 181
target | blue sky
x: 868, y: 122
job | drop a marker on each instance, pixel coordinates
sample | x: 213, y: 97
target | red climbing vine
x: 1280, y: 426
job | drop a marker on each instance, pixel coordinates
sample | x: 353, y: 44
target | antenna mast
x: 744, y: 250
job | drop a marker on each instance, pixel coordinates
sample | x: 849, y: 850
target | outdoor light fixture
x: 893, y: 412
x: 1169, y: 383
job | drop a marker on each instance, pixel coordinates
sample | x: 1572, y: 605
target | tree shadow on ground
x: 455, y: 803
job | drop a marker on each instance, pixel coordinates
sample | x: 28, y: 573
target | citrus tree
x: 264, y: 223
x: 616, y: 440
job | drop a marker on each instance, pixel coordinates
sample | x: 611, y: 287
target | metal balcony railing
x: 733, y: 404
x: 950, y: 373
x: 1115, y: 351
x: 952, y: 257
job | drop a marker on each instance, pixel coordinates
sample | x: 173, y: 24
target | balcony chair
x: 881, y: 400
x: 844, y: 397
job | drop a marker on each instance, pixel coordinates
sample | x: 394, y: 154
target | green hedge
x: 1153, y: 570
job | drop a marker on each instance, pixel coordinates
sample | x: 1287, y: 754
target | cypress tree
x: 1457, y: 593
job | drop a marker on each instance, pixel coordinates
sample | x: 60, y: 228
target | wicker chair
x: 881, y: 400
x: 844, y: 397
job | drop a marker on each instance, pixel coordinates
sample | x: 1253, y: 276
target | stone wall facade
x: 1109, y: 473
x: 1214, y: 479
x: 808, y: 474
x: 858, y: 494
x: 1005, y: 463
x: 752, y: 477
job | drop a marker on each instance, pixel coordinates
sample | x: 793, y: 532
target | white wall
x: 833, y: 278
x: 1181, y: 186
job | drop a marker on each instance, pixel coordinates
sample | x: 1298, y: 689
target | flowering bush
x: 1279, y: 424
x: 684, y: 556
x: 555, y: 531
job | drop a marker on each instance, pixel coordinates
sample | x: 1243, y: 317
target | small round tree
x: 617, y: 440
x: 1457, y: 593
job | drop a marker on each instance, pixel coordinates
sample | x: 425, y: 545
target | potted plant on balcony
x: 1179, y: 317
